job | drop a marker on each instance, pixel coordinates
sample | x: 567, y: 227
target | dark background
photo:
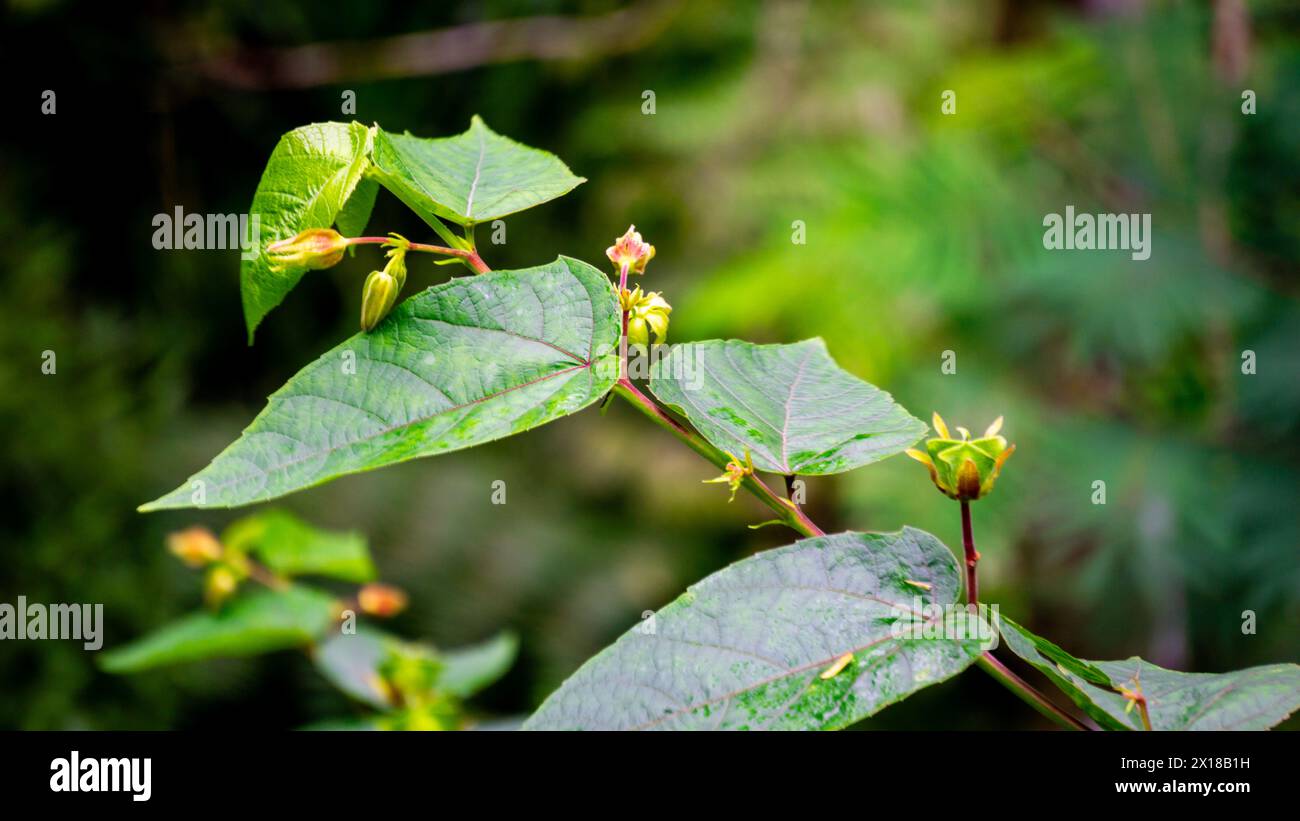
x: 924, y: 235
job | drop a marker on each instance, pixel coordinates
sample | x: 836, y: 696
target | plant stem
x: 972, y: 555
x: 470, y: 258
x: 789, y: 513
x: 623, y: 339
x: 1027, y: 693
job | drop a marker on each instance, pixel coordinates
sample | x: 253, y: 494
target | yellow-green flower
x: 647, y: 315
x: 964, y: 469
x: 630, y: 250
x: 734, y: 473
x: 315, y: 248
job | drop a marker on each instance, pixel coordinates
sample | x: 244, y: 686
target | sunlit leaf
x: 790, y: 406
x: 473, y: 177
x: 312, y: 174
x: 463, y: 363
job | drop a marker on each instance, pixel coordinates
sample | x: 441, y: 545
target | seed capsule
x: 964, y: 469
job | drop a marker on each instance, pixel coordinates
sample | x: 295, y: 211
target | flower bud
x: 315, y: 248
x: 631, y: 251
x: 964, y: 469
x: 379, y: 294
x: 196, y: 546
x: 381, y: 600
x: 647, y: 316
x: 377, y: 298
x: 221, y: 583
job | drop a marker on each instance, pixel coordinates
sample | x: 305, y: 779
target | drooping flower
x: 964, y: 469
x: 315, y: 249
x: 630, y: 250
x: 647, y: 316
x: 379, y: 294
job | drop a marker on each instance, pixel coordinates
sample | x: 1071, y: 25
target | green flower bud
x: 964, y: 469
x: 379, y: 294
x: 315, y: 249
x: 377, y: 298
x: 221, y: 583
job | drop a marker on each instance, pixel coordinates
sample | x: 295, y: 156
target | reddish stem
x: 471, y: 258
x: 972, y: 555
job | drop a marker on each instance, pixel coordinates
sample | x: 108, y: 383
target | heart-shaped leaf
x: 790, y: 406
x: 815, y: 635
x: 311, y: 176
x: 465, y: 362
x: 1253, y: 699
x: 259, y: 622
x: 470, y: 178
x: 291, y: 547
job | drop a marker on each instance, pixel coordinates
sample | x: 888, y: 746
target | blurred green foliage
x: 924, y: 235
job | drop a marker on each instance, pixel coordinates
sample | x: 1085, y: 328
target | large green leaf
x: 1253, y: 699
x: 747, y: 647
x: 259, y: 622
x: 291, y: 547
x: 791, y: 406
x: 474, y: 177
x: 312, y: 174
x: 463, y: 363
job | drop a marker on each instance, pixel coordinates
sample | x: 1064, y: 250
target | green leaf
x: 1253, y: 699
x: 259, y: 622
x: 465, y: 362
x: 791, y: 406
x: 311, y: 175
x: 474, y: 177
x: 746, y: 647
x: 466, y: 670
x: 352, y: 220
x: 291, y: 547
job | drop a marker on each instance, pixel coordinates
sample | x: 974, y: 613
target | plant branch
x: 788, y: 513
x: 1027, y: 693
x: 469, y: 257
